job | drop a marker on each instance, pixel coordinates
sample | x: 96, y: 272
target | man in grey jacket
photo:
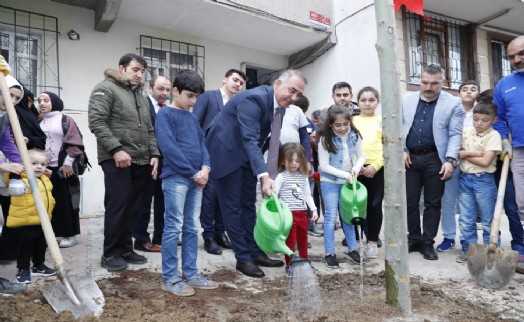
x: 432, y: 128
x: 127, y: 152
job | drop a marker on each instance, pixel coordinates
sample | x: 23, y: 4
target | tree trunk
x: 395, y: 217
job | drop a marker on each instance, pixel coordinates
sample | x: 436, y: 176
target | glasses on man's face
x: 42, y: 164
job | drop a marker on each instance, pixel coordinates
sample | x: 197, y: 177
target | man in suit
x: 234, y: 142
x: 206, y: 108
x: 159, y: 89
x: 432, y: 128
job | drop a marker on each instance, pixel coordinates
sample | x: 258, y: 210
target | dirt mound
x: 136, y: 296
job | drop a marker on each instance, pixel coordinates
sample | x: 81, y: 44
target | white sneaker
x: 372, y: 250
x: 67, y: 242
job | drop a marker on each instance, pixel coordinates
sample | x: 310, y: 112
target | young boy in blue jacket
x: 185, y: 172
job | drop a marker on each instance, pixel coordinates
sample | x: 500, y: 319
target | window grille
x: 29, y: 42
x: 499, y: 59
x: 442, y: 42
x: 167, y: 57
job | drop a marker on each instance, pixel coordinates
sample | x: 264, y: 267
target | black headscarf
x: 56, y: 102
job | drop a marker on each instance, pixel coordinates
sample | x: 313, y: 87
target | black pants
x: 153, y: 188
x: 210, y: 214
x: 32, y: 245
x: 124, y: 192
x: 424, y: 173
x: 375, y: 188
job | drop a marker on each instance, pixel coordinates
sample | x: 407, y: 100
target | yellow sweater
x: 371, y: 130
x: 22, y: 211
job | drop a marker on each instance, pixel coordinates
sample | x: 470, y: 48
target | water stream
x: 361, y: 288
x: 304, y: 290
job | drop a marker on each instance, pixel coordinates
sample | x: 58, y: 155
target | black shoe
x: 250, y: 269
x: 413, y: 246
x: 354, y: 256
x: 211, y: 246
x: 428, y: 251
x: 379, y: 243
x: 113, y: 263
x: 133, y: 258
x: 344, y: 242
x: 223, y: 241
x: 265, y: 261
x: 331, y: 261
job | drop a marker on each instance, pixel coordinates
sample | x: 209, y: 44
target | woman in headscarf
x: 63, y: 145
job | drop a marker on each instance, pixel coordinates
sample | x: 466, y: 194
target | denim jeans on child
x: 331, y: 196
x: 448, y: 221
x: 477, y: 192
x: 182, y: 207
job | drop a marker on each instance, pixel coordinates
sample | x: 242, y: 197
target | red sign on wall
x: 319, y: 19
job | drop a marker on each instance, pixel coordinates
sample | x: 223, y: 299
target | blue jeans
x: 477, y: 192
x: 448, y: 222
x: 331, y: 196
x: 182, y: 202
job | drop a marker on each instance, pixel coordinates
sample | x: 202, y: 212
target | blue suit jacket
x: 239, y: 131
x: 207, y: 107
x: 447, y: 122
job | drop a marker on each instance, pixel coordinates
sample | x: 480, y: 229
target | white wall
x: 353, y: 59
x: 82, y: 64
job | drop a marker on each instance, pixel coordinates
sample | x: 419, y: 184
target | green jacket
x: 119, y: 118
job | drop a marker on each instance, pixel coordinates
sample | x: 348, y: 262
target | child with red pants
x: 293, y: 188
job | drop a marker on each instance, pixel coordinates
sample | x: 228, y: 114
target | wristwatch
x: 452, y: 161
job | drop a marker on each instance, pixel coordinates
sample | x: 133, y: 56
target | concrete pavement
x: 87, y: 253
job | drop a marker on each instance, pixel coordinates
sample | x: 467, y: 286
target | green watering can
x: 353, y: 202
x: 274, y: 221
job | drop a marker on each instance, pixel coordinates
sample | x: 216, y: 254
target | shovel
x: 78, y: 294
x: 490, y: 266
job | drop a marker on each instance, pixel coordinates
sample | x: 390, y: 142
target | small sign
x: 319, y: 19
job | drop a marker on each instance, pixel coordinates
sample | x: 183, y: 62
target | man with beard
x: 432, y: 128
x: 508, y: 97
x: 127, y: 152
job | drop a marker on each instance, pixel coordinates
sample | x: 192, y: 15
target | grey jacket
x: 447, y: 122
x: 119, y: 118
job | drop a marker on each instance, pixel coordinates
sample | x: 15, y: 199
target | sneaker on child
x: 372, y: 250
x: 201, y: 281
x: 354, y: 256
x: 179, y: 288
x: 43, y: 270
x: 10, y: 288
x: 463, y: 257
x: 331, y: 261
x: 446, y: 245
x: 23, y: 276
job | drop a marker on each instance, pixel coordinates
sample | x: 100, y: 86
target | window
x: 442, y: 42
x: 29, y: 42
x: 499, y: 60
x: 167, y: 57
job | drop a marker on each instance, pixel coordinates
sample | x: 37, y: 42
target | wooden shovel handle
x: 495, y: 225
x: 28, y: 166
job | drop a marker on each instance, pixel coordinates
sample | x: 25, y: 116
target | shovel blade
x: 91, y: 298
x: 491, y: 270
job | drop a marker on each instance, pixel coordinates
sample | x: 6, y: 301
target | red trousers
x: 298, y: 234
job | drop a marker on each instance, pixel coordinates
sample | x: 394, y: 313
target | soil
x: 136, y: 296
